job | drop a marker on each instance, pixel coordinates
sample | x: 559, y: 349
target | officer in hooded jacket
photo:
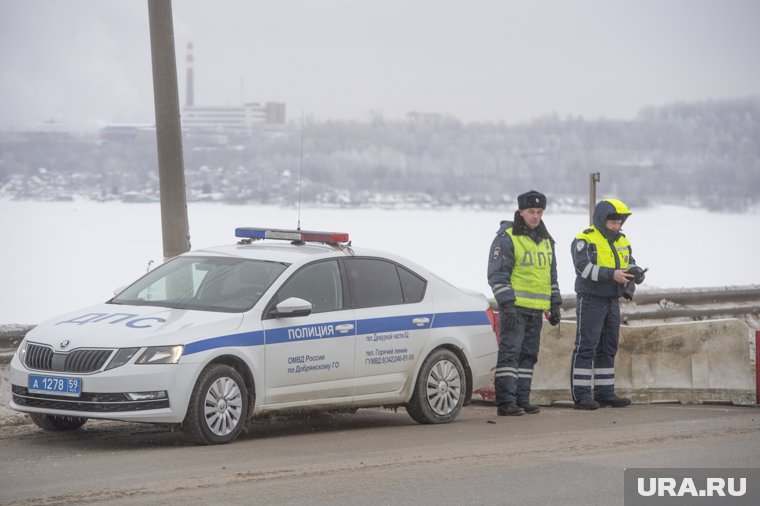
x: 522, y: 272
x: 604, y: 266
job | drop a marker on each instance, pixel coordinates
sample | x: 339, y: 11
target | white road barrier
x: 693, y: 362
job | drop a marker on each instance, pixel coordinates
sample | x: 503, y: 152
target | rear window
x: 412, y: 285
x: 376, y: 282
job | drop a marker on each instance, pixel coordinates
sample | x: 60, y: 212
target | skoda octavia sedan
x: 284, y: 320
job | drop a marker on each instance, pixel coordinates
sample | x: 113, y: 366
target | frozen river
x: 59, y: 256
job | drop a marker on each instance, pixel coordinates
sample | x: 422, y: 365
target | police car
x: 214, y: 337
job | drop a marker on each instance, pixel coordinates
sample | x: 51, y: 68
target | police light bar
x: 291, y: 235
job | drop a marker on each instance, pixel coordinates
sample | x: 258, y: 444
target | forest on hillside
x: 703, y: 154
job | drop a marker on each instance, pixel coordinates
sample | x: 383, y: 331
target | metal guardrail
x: 699, y: 296
x: 698, y: 303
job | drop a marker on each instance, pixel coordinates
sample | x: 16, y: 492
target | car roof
x: 272, y: 250
x: 288, y: 252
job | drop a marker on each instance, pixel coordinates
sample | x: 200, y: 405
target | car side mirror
x: 292, y: 306
x: 119, y: 289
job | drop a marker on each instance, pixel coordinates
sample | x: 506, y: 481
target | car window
x: 374, y: 282
x: 412, y: 285
x: 203, y: 283
x: 318, y: 283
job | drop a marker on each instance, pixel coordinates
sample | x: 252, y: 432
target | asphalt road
x: 377, y: 457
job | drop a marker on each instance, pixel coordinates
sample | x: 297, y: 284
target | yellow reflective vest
x: 531, y: 275
x: 619, y: 258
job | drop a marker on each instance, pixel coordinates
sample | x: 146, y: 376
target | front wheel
x: 57, y: 423
x: 440, y: 390
x: 218, y: 406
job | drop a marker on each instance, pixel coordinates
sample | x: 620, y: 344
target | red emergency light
x: 292, y: 235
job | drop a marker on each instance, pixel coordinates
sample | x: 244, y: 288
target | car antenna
x: 300, y: 172
x: 300, y: 176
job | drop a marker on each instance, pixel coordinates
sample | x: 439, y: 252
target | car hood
x: 112, y: 325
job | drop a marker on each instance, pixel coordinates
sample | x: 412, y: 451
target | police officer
x: 522, y: 272
x: 604, y: 266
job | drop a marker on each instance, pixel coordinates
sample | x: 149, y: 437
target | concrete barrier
x: 10, y: 338
x: 757, y: 365
x: 693, y: 362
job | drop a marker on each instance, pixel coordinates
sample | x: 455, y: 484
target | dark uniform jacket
x: 502, y: 260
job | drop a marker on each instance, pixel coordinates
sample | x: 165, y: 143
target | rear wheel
x: 57, y: 423
x: 218, y: 406
x: 440, y: 390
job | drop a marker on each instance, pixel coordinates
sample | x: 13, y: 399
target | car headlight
x: 122, y: 357
x: 161, y: 355
x: 22, y: 351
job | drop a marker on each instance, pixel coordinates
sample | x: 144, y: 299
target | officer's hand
x: 621, y: 277
x: 554, y: 316
x: 638, y: 274
x: 510, y: 316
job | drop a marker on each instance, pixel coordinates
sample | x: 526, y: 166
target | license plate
x: 58, y: 385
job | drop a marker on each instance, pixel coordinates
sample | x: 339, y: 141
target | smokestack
x: 189, y: 92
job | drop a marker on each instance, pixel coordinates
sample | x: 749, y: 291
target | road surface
x: 376, y: 457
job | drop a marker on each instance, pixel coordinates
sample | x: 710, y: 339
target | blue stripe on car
x: 390, y: 324
x: 244, y: 339
x: 327, y: 330
x: 460, y: 319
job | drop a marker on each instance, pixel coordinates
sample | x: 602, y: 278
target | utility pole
x: 171, y: 171
x: 594, y: 178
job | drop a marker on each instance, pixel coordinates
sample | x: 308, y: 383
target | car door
x: 393, y: 319
x: 311, y: 358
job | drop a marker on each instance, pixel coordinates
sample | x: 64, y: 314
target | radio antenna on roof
x: 300, y: 172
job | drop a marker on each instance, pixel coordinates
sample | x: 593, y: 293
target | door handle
x: 344, y: 327
x: 421, y: 321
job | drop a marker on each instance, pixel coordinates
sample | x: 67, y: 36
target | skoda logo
x: 64, y: 344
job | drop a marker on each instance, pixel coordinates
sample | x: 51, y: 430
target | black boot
x: 587, y: 403
x: 530, y: 408
x: 614, y: 401
x: 510, y: 410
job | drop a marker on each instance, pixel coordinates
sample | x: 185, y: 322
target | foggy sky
x: 85, y: 63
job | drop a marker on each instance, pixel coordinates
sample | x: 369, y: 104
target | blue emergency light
x: 291, y: 235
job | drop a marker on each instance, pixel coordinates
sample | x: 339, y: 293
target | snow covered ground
x: 60, y: 256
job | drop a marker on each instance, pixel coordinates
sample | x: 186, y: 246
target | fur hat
x: 531, y: 199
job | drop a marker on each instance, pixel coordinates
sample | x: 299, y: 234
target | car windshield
x: 230, y: 285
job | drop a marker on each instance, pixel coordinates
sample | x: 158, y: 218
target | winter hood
x: 605, y: 208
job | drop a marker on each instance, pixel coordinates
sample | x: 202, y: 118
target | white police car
x: 216, y: 336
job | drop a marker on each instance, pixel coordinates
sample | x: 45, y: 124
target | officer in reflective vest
x: 604, y: 266
x: 522, y: 272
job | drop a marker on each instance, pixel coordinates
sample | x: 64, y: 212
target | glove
x: 629, y: 290
x: 638, y: 274
x: 554, y: 316
x: 510, y: 316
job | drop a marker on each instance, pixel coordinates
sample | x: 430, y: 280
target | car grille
x: 88, y: 401
x: 43, y: 358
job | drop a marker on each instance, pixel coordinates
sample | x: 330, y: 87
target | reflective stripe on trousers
x: 596, y: 341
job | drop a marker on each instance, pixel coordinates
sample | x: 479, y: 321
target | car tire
x: 57, y: 423
x: 218, y: 407
x: 440, y: 389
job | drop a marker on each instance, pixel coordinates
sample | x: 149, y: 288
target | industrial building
x: 225, y: 120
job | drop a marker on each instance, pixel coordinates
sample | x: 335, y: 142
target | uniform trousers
x: 518, y: 353
x: 596, y: 343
